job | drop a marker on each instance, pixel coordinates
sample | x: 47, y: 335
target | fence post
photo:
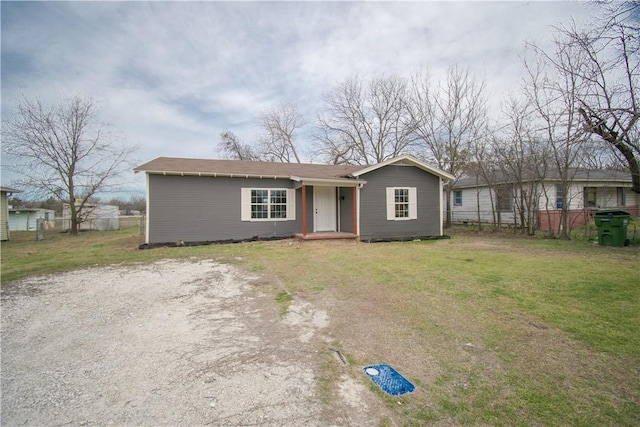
x: 39, y: 229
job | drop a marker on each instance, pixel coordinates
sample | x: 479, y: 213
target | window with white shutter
x: 268, y: 204
x: 402, y: 203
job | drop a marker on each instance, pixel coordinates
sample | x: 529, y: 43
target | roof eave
x: 9, y: 190
x: 340, y: 182
x: 213, y: 174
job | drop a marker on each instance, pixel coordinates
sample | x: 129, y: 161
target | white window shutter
x: 413, y: 203
x: 291, y: 204
x: 391, y: 203
x: 245, y: 204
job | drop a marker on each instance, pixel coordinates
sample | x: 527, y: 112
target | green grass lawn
x: 492, y: 329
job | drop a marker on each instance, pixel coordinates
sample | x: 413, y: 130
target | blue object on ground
x: 388, y: 379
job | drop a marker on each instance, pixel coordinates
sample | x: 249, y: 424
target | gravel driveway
x: 168, y: 343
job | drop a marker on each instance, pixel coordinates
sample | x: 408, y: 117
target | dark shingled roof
x: 174, y: 165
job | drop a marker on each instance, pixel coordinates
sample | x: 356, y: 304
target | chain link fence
x: 60, y: 225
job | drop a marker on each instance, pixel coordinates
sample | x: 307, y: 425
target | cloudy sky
x: 171, y: 76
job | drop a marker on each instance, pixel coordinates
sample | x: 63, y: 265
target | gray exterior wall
x: 373, y: 213
x: 309, y: 189
x: 345, y: 199
x: 200, y: 209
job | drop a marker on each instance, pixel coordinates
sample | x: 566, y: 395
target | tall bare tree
x: 277, y: 142
x: 518, y: 156
x: 604, y: 60
x: 234, y: 148
x: 60, y: 150
x: 365, y: 122
x: 447, y: 120
x: 554, y: 101
x: 280, y: 126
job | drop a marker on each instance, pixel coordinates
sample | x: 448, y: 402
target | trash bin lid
x: 612, y: 212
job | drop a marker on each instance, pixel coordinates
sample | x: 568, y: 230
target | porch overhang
x: 328, y: 182
x: 354, y: 184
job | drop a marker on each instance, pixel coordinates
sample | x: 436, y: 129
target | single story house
x: 94, y: 217
x: 26, y: 219
x: 5, y: 193
x: 473, y: 198
x: 200, y: 200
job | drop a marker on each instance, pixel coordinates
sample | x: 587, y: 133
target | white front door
x: 324, y: 205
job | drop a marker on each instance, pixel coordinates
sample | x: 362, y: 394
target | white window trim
x: 245, y: 209
x: 454, y: 197
x: 391, y: 203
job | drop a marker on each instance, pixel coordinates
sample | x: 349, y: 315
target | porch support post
x: 355, y: 210
x: 304, y: 210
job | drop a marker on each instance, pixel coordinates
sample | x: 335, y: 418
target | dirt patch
x: 170, y: 343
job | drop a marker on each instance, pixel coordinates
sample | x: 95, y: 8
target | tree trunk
x: 448, y: 216
x: 73, y: 227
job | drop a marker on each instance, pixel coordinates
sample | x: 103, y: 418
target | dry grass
x: 493, y: 330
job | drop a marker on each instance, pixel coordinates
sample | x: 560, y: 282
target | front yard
x: 491, y: 329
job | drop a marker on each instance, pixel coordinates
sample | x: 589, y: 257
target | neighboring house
x: 26, y: 219
x: 94, y: 217
x: 198, y: 200
x: 473, y: 198
x: 5, y: 193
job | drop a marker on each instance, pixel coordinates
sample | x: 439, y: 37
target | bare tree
x: 233, y: 148
x: 554, y: 101
x: 365, y: 122
x: 603, y: 59
x: 518, y: 155
x: 447, y: 120
x: 59, y: 150
x: 280, y: 126
x: 277, y: 142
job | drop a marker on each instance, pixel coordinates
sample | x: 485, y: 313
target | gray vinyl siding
x: 309, y: 190
x: 373, y: 214
x: 345, y: 200
x: 199, y: 209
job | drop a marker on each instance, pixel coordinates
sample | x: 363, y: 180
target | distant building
x: 473, y: 198
x: 5, y: 192
x: 26, y: 219
x: 94, y: 217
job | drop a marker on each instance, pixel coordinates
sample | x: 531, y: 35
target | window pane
x: 402, y: 210
x: 559, y: 199
x: 279, y: 196
x: 259, y: 211
x: 278, y: 211
x: 278, y: 205
x: 259, y: 196
x: 259, y: 206
x: 457, y: 198
x: 402, y: 195
x: 402, y: 202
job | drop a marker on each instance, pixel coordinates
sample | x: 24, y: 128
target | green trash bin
x: 612, y: 227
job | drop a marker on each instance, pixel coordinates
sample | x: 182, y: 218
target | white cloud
x: 172, y: 75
